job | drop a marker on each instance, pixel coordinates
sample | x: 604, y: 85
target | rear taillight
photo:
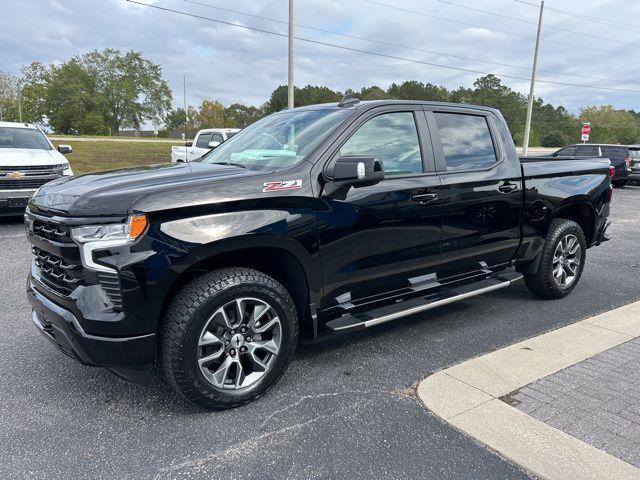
x: 612, y: 171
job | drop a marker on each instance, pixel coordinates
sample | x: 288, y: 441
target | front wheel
x: 228, y: 337
x: 561, y: 262
x: 619, y: 183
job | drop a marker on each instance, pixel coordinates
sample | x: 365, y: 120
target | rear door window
x: 466, y: 141
x: 587, y: 151
x: 615, y: 152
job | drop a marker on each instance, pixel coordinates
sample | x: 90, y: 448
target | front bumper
x: 14, y: 202
x: 130, y: 358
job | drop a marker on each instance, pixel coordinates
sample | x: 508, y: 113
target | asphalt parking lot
x: 345, y: 408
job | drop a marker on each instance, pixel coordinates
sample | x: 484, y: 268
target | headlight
x: 124, y: 232
x: 66, y: 170
x: 100, y: 237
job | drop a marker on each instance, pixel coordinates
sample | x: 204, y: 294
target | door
x: 481, y: 191
x: 384, y: 237
x: 200, y: 146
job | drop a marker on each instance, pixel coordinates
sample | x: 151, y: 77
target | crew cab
x: 204, y: 141
x: 620, y: 157
x: 313, y: 221
x: 28, y: 160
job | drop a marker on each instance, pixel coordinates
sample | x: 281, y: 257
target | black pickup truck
x: 312, y: 221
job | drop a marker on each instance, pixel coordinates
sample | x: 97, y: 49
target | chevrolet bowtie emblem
x: 15, y: 175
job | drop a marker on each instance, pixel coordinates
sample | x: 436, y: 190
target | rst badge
x: 282, y: 185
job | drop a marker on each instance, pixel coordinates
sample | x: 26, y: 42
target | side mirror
x: 64, y: 149
x: 188, y: 144
x: 357, y: 171
x: 213, y: 144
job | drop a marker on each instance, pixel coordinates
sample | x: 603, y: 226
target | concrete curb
x: 467, y: 396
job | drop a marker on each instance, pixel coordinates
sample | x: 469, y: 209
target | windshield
x: 635, y: 153
x: 279, y: 140
x: 11, y: 137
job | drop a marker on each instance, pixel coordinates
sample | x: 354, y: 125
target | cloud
x: 231, y: 64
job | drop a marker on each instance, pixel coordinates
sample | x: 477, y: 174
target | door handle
x: 508, y: 187
x: 425, y: 197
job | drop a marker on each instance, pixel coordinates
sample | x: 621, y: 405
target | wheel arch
x: 275, y: 261
x: 583, y: 214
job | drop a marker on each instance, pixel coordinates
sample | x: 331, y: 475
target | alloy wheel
x: 567, y: 260
x: 239, y: 343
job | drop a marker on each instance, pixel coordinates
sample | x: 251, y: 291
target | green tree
x: 609, y: 125
x: 238, y: 115
x: 130, y: 88
x: 9, y: 97
x: 175, y: 119
x: 372, y: 93
x: 210, y: 114
x: 71, y: 100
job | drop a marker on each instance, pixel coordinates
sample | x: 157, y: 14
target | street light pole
x: 527, y: 128
x: 19, y: 102
x: 290, y: 71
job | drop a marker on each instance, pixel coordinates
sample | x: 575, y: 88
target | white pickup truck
x: 28, y: 160
x: 205, y: 141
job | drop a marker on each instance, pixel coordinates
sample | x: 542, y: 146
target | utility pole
x: 186, y: 115
x: 19, y: 102
x: 527, y: 128
x: 290, y: 72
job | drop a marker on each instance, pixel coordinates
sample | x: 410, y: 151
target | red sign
x: 586, y: 128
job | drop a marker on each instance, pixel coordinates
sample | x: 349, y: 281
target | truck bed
x: 542, y: 166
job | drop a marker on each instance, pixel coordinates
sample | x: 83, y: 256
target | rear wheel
x: 228, y: 337
x: 619, y: 183
x: 561, y: 262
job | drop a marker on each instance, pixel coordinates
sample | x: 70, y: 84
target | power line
x: 391, y: 44
x: 602, y: 21
x: 368, y: 52
x: 423, y: 14
x: 547, y: 27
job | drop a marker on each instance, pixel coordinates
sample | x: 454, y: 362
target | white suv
x: 28, y: 160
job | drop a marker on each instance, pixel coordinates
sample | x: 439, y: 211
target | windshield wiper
x: 231, y: 164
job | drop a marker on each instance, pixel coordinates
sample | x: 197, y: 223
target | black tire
x: 619, y: 183
x: 542, y: 282
x: 191, y: 311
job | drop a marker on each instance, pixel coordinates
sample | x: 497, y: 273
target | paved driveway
x: 345, y: 408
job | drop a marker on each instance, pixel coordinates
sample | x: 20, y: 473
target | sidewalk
x: 563, y: 405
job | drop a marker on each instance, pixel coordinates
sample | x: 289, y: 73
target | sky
x: 233, y: 64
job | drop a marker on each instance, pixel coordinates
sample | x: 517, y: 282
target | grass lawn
x: 92, y: 156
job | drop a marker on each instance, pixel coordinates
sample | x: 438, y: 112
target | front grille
x: 57, y: 232
x: 34, y: 168
x: 58, y: 274
x: 63, y: 271
x: 23, y: 183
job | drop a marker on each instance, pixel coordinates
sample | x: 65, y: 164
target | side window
x: 567, y: 152
x: 216, y: 137
x: 614, y: 152
x: 466, y: 141
x: 586, y: 151
x: 392, y: 138
x: 203, y: 140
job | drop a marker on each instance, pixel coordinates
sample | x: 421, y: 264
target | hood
x: 22, y: 157
x: 114, y: 192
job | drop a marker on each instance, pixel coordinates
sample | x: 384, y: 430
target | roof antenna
x: 348, y: 100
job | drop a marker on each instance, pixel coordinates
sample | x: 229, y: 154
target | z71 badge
x: 282, y: 185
